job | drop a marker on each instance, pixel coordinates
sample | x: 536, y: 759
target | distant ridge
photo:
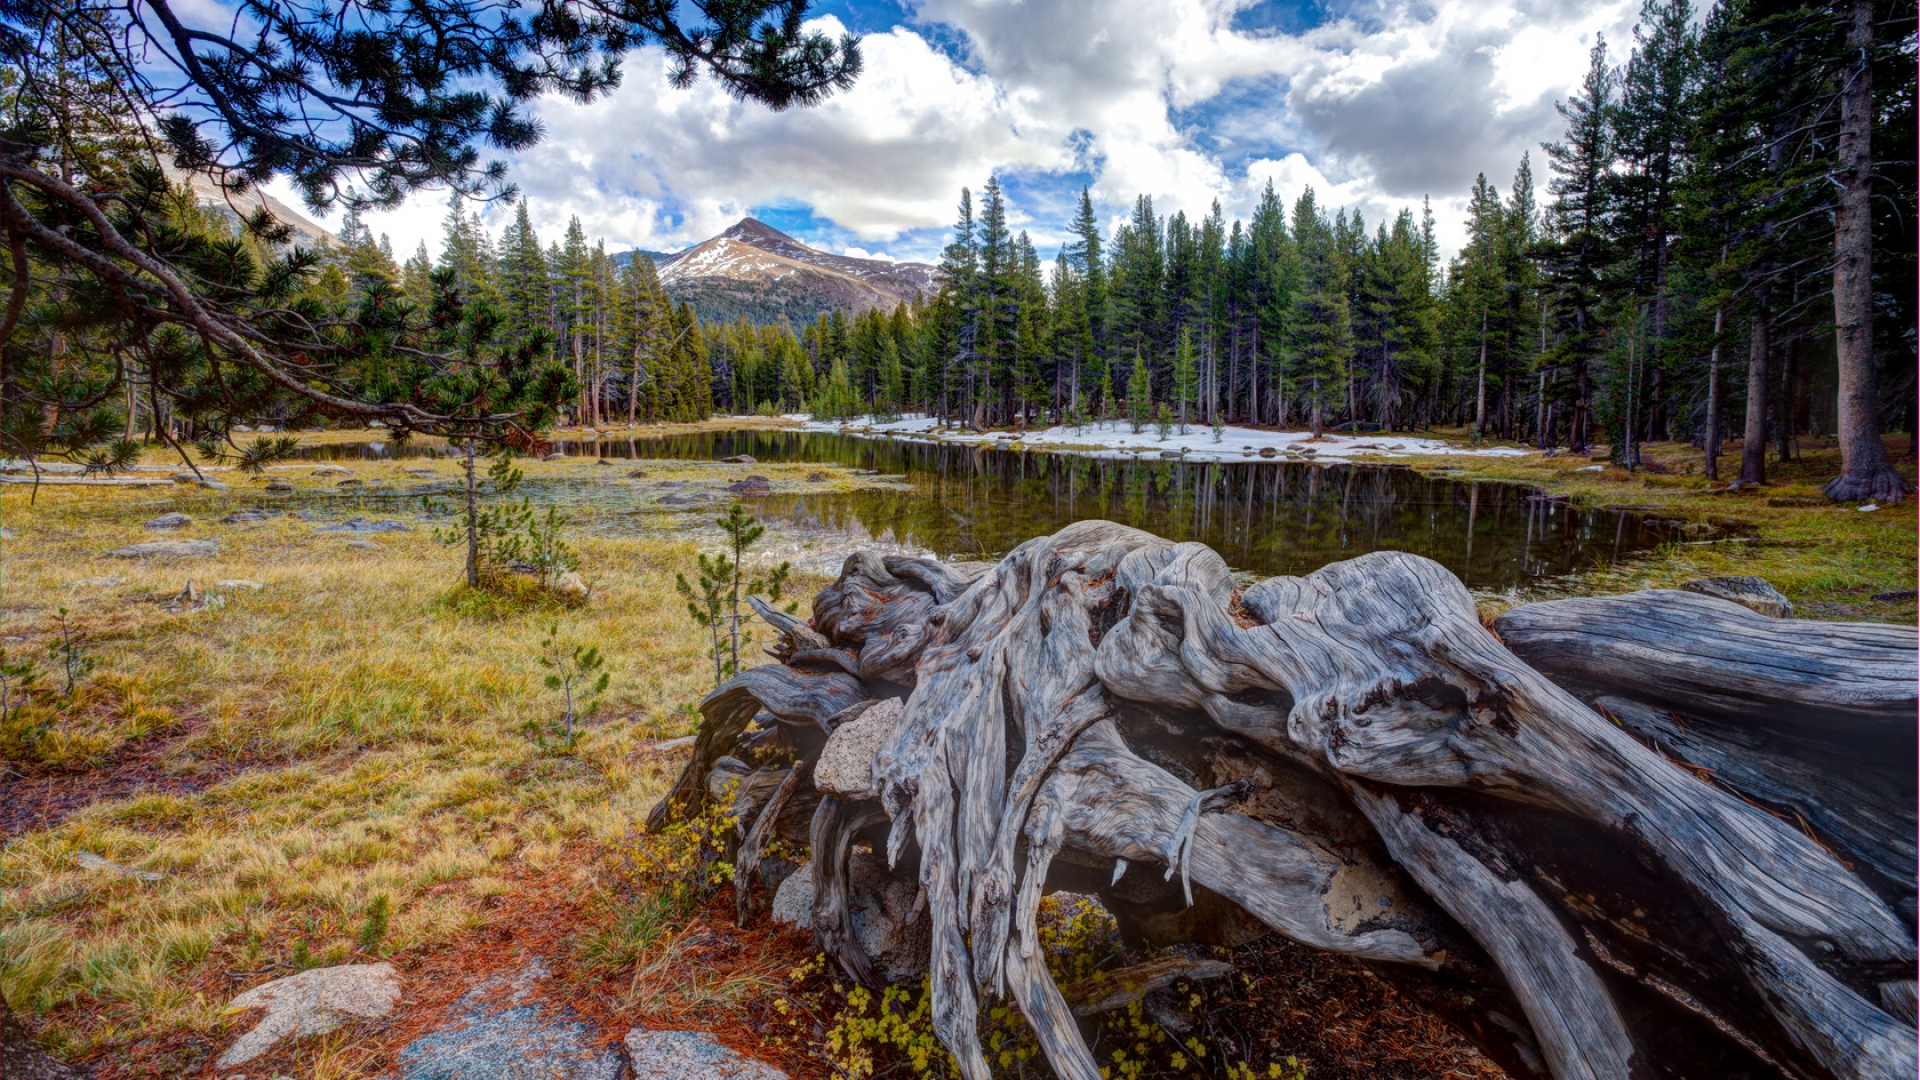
x: 755, y: 270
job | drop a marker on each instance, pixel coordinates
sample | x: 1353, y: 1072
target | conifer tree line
x: 1721, y: 253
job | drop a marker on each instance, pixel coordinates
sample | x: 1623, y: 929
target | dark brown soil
x: 33, y: 796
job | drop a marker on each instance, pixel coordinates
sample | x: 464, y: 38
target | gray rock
x: 637, y: 474
x: 691, y: 1055
x: 350, y: 482
x: 279, y: 487
x: 684, y: 500
x: 239, y: 583
x: 602, y: 461
x: 845, y: 767
x: 739, y: 459
x: 752, y: 485
x: 363, y: 545
x: 47, y: 468
x: 882, y: 909
x: 312, y: 1003
x: 1748, y: 591
x: 362, y: 525
x: 496, y: 1034
x: 215, y: 485
x: 244, y: 517
x: 1170, y: 453
x: 554, y: 457
x: 331, y: 470
x: 170, y: 521
x: 184, y: 478
x: 167, y: 549
x: 793, y: 900
x: 7, y: 534
x: 817, y: 478
x: 94, y: 583
x: 1899, y: 596
x: 87, y: 860
x: 672, y: 483
x: 1268, y: 451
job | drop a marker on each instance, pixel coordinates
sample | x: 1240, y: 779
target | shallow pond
x: 1264, y: 517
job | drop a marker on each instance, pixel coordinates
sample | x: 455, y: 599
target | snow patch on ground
x: 1118, y: 440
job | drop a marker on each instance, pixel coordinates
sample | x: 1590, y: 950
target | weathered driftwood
x: 1351, y: 759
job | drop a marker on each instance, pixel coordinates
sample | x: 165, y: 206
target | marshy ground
x: 334, y: 719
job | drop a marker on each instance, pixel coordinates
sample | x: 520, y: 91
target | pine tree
x: 1139, y: 393
x: 1185, y: 376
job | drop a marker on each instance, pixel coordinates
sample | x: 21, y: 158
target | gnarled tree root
x: 1354, y: 761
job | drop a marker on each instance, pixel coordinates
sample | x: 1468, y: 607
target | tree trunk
x: 1480, y: 383
x: 1353, y: 760
x: 1713, y: 398
x: 1753, y: 451
x: 1867, y: 474
x: 473, y: 522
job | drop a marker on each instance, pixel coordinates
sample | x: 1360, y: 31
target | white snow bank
x: 1117, y: 439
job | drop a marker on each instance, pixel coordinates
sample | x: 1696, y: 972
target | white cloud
x: 1153, y: 93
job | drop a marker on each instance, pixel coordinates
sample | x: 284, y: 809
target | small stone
x: 185, y: 478
x: 87, y: 860
x: 167, y: 549
x: 571, y: 586
x: 1756, y: 593
x: 554, y: 457
x: 349, y: 483
x: 243, y: 429
x: 637, y: 474
x: 215, y: 485
x: 170, y: 521
x: 602, y: 461
x: 846, y: 762
x: 691, y: 1055
x: 739, y: 459
x: 239, y: 583
x: 362, y: 525
x: 364, y: 545
x: 673, y: 483
x: 817, y: 478
x: 312, y: 1003
x: 244, y: 517
x: 280, y: 487
x: 793, y: 900
x: 1170, y: 453
x: 1268, y: 451
x: 6, y: 533
x: 331, y: 470
x: 752, y: 485
x: 1896, y: 597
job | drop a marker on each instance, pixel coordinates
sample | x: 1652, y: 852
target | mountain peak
x: 751, y: 229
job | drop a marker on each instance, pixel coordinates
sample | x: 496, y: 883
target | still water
x: 1263, y: 517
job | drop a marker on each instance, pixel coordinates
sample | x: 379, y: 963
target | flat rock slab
x: 362, y: 525
x: 1754, y: 593
x: 170, y: 521
x: 312, y: 1003
x: 691, y: 1055
x: 167, y: 549
x: 494, y: 1034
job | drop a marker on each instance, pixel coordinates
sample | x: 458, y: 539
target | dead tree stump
x: 1655, y: 835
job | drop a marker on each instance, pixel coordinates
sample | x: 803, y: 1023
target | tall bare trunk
x: 1867, y: 475
x: 1713, y: 398
x: 1753, y: 454
x: 473, y: 523
x: 1480, y: 387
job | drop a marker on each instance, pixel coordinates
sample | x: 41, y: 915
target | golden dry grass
x: 352, y: 729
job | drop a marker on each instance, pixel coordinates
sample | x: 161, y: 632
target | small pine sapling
x: 1163, y: 421
x: 743, y: 531
x: 704, y: 605
x: 374, y: 930
x: 578, y: 673
x: 489, y: 531
x: 1219, y: 427
x: 73, y: 662
x: 18, y: 679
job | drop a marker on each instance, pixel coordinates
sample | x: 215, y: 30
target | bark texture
x: 1353, y: 760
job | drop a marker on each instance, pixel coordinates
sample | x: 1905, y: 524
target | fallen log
x: 1353, y: 760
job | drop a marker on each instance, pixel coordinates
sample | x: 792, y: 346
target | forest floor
x: 337, y: 720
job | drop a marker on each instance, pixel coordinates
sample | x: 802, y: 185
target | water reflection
x: 974, y: 501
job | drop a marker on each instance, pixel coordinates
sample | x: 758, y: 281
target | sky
x: 1374, y: 103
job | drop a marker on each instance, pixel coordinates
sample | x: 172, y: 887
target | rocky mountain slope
x: 306, y: 232
x: 755, y: 270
